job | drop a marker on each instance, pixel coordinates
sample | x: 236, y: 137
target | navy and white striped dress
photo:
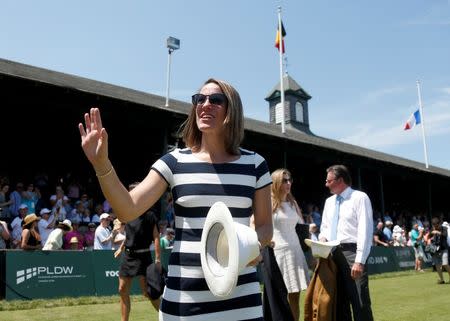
x: 196, y: 185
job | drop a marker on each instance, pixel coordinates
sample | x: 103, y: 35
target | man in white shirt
x: 347, y: 217
x: 46, y: 224
x: 103, y: 235
x: 55, y: 239
x: 16, y: 226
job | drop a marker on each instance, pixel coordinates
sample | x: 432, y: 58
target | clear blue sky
x: 359, y: 60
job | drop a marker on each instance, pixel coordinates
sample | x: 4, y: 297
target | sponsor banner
x: 381, y: 260
x: 391, y: 259
x: 106, y: 274
x: 49, y: 274
x: 2, y: 273
x: 405, y: 257
x: 43, y: 274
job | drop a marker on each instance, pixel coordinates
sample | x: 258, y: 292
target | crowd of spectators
x: 390, y: 229
x: 403, y: 229
x: 74, y: 220
x: 29, y: 213
x: 84, y: 214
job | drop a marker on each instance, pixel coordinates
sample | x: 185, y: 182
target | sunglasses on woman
x: 214, y: 99
x: 287, y: 180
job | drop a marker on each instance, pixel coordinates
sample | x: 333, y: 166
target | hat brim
x: 220, y: 241
x: 31, y: 222
x: 321, y: 249
x: 65, y: 227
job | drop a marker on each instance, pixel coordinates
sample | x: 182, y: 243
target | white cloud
x: 445, y: 90
x: 375, y: 136
x: 377, y: 95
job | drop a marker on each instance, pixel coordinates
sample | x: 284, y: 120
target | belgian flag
x: 279, y: 38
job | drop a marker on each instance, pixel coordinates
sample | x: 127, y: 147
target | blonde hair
x: 116, y: 223
x: 234, y: 121
x: 275, y: 189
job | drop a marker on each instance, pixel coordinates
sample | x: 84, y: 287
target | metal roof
x: 289, y: 85
x: 19, y: 70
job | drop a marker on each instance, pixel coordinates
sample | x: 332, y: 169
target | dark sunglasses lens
x: 198, y: 99
x: 217, y: 99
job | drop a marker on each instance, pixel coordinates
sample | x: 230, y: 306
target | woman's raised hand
x: 94, y: 140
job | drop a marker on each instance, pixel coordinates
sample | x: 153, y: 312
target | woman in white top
x: 120, y: 236
x: 288, y: 252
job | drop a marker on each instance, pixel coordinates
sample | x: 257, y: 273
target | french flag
x: 413, y: 120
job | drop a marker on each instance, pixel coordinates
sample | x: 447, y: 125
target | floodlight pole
x: 172, y: 44
x: 168, y: 76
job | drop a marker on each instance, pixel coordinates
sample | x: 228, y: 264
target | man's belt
x: 348, y: 247
x: 132, y: 251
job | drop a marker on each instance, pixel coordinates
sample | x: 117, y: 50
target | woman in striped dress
x: 211, y: 168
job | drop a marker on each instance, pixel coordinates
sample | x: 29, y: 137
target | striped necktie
x: 334, y: 222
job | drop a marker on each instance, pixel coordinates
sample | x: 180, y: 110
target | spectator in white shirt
x: 76, y: 215
x: 4, y: 234
x: 16, y: 226
x: 59, y: 203
x: 56, y: 237
x: 46, y: 224
x: 103, y: 235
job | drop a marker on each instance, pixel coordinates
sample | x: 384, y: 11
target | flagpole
x: 280, y: 50
x: 422, y: 120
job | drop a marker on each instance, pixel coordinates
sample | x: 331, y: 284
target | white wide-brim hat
x: 225, y: 250
x: 321, y: 249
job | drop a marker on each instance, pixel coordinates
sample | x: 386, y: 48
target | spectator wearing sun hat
x: 55, y: 239
x: 75, y: 232
x: 75, y: 244
x: 31, y: 240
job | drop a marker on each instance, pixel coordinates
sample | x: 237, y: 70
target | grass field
x: 403, y: 296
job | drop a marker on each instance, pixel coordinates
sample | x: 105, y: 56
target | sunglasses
x: 286, y: 180
x: 214, y: 99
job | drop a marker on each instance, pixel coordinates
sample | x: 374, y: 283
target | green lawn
x: 404, y: 296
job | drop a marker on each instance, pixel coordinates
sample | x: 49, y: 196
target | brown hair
x: 234, y: 121
x: 275, y: 189
x: 341, y: 171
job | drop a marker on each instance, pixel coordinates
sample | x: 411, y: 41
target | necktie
x: 334, y: 222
